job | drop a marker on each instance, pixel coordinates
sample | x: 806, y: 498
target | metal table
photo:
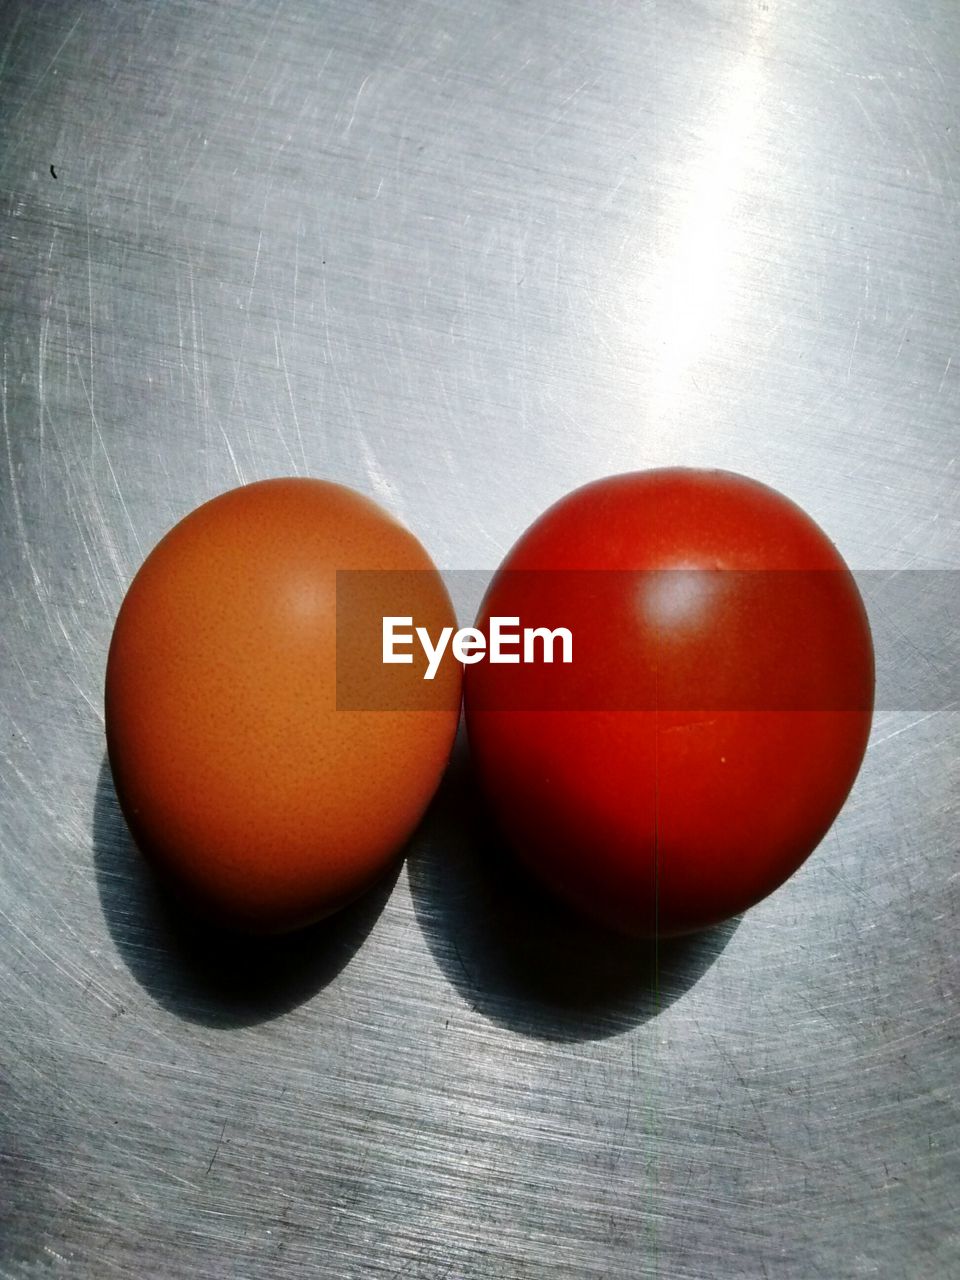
x: 465, y: 257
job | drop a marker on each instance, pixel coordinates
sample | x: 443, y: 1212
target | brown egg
x: 270, y: 790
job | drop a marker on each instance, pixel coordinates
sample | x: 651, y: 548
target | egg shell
x: 264, y: 789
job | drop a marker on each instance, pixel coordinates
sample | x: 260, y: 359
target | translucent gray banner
x: 686, y: 639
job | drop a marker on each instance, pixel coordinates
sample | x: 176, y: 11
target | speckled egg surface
x: 240, y: 777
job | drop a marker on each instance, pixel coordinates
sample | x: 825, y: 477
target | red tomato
x: 710, y: 725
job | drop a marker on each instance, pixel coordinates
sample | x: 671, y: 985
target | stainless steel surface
x: 466, y: 257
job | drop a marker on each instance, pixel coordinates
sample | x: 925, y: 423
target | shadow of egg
x: 201, y: 971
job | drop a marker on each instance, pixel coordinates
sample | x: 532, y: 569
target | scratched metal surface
x: 465, y: 256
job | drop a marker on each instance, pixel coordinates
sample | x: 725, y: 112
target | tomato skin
x: 669, y: 818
